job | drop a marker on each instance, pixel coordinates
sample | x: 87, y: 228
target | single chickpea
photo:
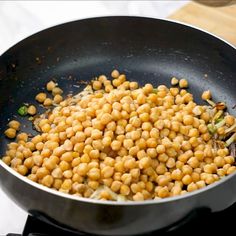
x: 124, y: 190
x: 210, y: 168
x: 66, y: 184
x: 47, y: 102
x: 200, y: 184
x: 22, y: 169
x: 41, y: 97
x: 7, y: 160
x: 229, y: 160
x: 144, y: 162
x: 138, y: 197
x: 219, y: 161
x: 193, y: 162
x: 163, y: 192
x: 170, y: 163
x: 107, y: 172
x: 57, y: 98
x: 206, y: 95
x: 10, y: 133
x: 231, y: 170
x: 177, y: 174
x: 56, y: 91
x: 192, y: 187
x: 51, y: 85
x: 94, y: 174
x: 183, y: 83
x: 97, y: 85
x: 188, y: 120
x: 174, y: 81
x: 187, y: 179
x: 160, y: 149
x: 148, y: 88
x: 47, y: 181
x: 115, y: 186
x: 229, y: 120
x: 115, y: 74
x: 32, y: 110
x: 116, y: 145
x: 14, y: 124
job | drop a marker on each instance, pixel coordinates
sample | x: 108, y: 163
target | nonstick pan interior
x: 147, y: 50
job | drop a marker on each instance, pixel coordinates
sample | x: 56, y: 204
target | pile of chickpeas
x: 140, y: 142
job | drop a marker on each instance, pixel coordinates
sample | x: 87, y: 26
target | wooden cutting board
x: 220, y: 21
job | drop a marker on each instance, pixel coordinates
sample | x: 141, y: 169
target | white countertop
x: 22, y: 18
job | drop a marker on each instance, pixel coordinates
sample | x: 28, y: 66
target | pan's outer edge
x: 128, y: 16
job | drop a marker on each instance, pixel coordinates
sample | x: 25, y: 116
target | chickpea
x: 170, y: 163
x: 42, y: 172
x: 219, y: 161
x: 56, y: 91
x: 106, y: 118
x: 183, y: 83
x: 144, y: 163
x: 10, y: 133
x: 193, y: 162
x: 229, y: 120
x: 32, y: 110
x: 188, y: 120
x: 187, y: 179
x: 66, y: 184
x: 47, y: 181
x: 57, y: 98
x: 14, y: 124
x: 206, y: 95
x: 130, y: 164
x: 192, y: 187
x: 176, y: 190
x: 115, y: 145
x: 174, y: 81
x: 148, y: 88
x: 94, y: 174
x: 124, y: 190
x: 163, y: 192
x: 22, y: 169
x: 51, y: 85
x: 210, y: 168
x: 231, y: 170
x: 107, y: 172
x: 160, y: 149
x: 7, y: 160
x: 115, y: 74
x: 229, y: 160
x: 97, y: 85
x: 41, y: 97
x: 138, y: 197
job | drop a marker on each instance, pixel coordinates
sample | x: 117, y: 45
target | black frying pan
x: 147, y: 50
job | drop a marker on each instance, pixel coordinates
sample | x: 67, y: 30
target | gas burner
x: 198, y: 222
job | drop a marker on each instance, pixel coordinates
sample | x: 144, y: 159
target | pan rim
x: 113, y: 203
x: 116, y: 203
x: 120, y: 16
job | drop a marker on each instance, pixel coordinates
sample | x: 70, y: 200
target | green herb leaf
x: 22, y: 111
x: 219, y: 120
x: 211, y: 128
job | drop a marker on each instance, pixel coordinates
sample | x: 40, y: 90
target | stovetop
x: 199, y: 222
